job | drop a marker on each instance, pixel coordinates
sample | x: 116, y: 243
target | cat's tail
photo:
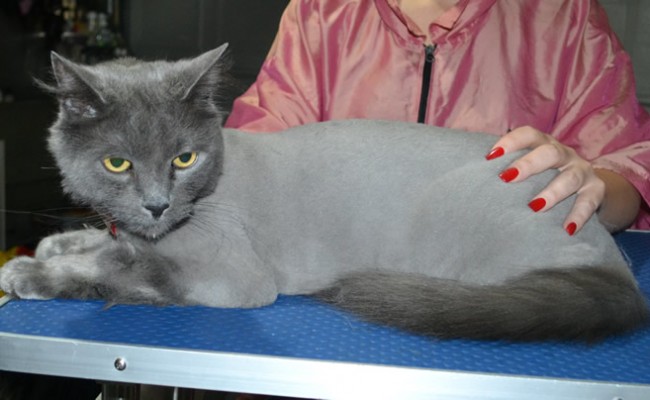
x: 585, y: 304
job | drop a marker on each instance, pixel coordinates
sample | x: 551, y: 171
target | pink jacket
x: 552, y: 64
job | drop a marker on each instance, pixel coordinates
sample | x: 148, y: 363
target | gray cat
x: 404, y: 224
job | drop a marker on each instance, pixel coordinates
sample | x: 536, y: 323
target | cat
x: 403, y: 224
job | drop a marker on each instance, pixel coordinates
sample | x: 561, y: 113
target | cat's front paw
x: 75, y: 242
x: 24, y: 277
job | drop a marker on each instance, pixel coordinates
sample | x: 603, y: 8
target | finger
x: 546, y: 156
x: 585, y: 206
x: 561, y: 187
x: 588, y: 199
x: 517, y: 139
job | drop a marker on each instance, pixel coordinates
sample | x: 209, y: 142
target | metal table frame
x: 286, y: 376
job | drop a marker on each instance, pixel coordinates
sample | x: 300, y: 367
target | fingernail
x: 509, y: 174
x: 537, y: 204
x: 495, y: 153
x: 571, y: 228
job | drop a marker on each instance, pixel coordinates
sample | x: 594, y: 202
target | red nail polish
x: 537, y: 204
x: 571, y: 228
x: 495, y: 153
x: 509, y: 174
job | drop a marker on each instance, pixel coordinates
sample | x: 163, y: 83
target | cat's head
x: 138, y: 141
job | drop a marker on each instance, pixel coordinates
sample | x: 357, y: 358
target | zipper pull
x: 428, y: 53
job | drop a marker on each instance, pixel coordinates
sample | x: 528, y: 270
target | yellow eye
x: 185, y: 160
x: 116, y: 164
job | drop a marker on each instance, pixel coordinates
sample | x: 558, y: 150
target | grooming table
x: 300, y: 347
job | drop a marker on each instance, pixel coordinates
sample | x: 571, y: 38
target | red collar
x: 112, y: 230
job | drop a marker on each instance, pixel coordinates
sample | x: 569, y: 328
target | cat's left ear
x: 204, y: 76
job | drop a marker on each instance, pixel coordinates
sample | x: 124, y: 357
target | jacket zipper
x: 426, y: 81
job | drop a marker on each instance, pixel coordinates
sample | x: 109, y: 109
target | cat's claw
x: 23, y: 277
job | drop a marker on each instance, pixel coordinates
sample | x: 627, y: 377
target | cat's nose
x: 157, y: 210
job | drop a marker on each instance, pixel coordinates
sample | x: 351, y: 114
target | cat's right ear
x: 75, y: 89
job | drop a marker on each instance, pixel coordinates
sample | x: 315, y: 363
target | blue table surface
x: 297, y: 326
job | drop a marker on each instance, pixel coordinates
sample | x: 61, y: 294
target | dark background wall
x: 199, y: 25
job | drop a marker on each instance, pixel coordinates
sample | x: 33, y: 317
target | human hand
x: 576, y: 174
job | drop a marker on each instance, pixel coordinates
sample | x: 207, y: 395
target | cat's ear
x: 204, y: 75
x: 75, y: 89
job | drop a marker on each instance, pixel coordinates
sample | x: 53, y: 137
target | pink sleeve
x: 600, y: 115
x: 286, y: 91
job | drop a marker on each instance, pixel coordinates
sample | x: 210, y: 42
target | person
x: 550, y: 76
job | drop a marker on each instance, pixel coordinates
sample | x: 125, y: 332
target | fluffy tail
x: 586, y: 304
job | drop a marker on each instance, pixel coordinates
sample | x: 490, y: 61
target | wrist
x: 621, y: 202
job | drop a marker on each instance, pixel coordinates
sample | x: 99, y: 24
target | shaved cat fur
x: 403, y: 224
